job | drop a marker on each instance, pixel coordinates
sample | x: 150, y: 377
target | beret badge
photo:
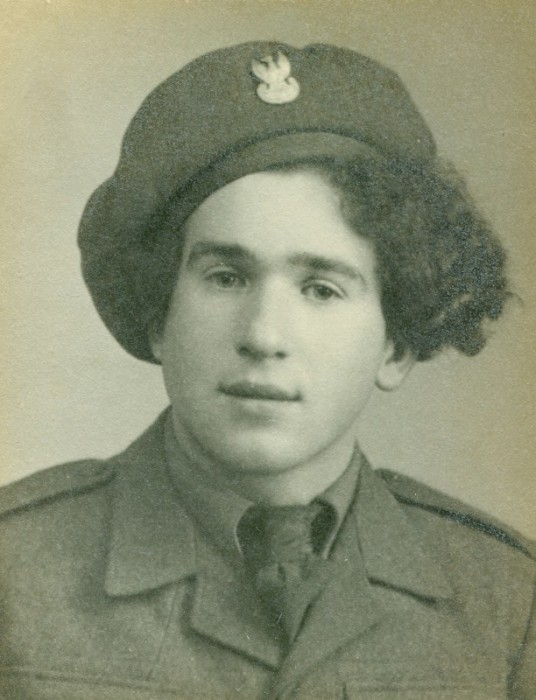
x: 277, y: 86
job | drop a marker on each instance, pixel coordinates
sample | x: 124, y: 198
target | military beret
x: 232, y: 112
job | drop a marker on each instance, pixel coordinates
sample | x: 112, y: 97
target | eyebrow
x: 236, y: 253
x: 228, y: 251
x: 320, y: 263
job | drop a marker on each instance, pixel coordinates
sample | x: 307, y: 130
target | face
x: 275, y: 336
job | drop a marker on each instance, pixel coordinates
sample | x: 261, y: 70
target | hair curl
x: 440, y: 267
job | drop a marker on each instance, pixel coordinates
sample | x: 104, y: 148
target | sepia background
x: 71, y: 76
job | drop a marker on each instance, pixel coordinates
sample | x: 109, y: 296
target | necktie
x: 280, y: 547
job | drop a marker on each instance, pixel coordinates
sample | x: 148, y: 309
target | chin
x: 269, y: 456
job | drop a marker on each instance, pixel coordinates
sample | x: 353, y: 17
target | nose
x: 264, y: 325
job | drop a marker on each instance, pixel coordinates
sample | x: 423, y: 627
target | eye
x: 225, y: 279
x: 321, y: 291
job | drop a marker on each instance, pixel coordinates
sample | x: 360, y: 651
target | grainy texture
x: 72, y: 76
x: 138, y: 605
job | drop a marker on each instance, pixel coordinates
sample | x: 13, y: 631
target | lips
x: 260, y: 392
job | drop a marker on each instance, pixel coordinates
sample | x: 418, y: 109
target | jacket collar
x: 152, y: 536
x: 378, y: 544
x: 395, y: 552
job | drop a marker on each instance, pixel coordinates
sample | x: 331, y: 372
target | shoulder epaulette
x: 412, y: 492
x: 64, y: 479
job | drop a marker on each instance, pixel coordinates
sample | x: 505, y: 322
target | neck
x: 298, y: 484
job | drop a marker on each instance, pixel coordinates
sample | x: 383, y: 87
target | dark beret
x: 229, y: 113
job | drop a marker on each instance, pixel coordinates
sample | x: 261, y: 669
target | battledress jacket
x: 110, y: 592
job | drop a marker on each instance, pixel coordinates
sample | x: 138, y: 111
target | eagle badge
x: 277, y: 86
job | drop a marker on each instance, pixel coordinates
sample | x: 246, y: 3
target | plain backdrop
x: 71, y: 76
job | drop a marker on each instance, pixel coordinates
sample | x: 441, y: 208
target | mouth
x: 258, y: 392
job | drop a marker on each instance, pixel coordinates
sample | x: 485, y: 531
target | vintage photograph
x: 269, y: 352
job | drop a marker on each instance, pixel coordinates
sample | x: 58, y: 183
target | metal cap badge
x: 277, y: 87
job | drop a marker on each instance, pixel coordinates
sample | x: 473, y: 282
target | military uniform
x: 111, y: 591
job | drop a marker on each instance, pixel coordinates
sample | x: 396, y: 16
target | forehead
x: 275, y: 214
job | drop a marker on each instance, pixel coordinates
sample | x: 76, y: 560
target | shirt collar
x: 218, y: 511
x: 340, y: 496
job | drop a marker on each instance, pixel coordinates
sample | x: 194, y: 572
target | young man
x: 280, y: 236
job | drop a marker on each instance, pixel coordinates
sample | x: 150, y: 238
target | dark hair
x: 440, y: 267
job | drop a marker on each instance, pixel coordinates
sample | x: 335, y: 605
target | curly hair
x: 440, y: 267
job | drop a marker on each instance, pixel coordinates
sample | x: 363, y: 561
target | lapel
x: 152, y: 538
x: 377, y: 544
x: 226, y: 610
x: 154, y: 542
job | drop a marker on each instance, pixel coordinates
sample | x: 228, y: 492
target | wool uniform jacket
x: 110, y: 592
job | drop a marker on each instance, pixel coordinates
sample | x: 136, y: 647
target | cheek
x: 355, y: 345
x: 194, y: 340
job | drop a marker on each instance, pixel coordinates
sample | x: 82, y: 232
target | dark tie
x: 281, y: 553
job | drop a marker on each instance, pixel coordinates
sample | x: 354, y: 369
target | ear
x: 392, y: 372
x: 155, y: 341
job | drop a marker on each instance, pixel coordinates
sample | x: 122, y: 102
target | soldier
x: 281, y: 237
